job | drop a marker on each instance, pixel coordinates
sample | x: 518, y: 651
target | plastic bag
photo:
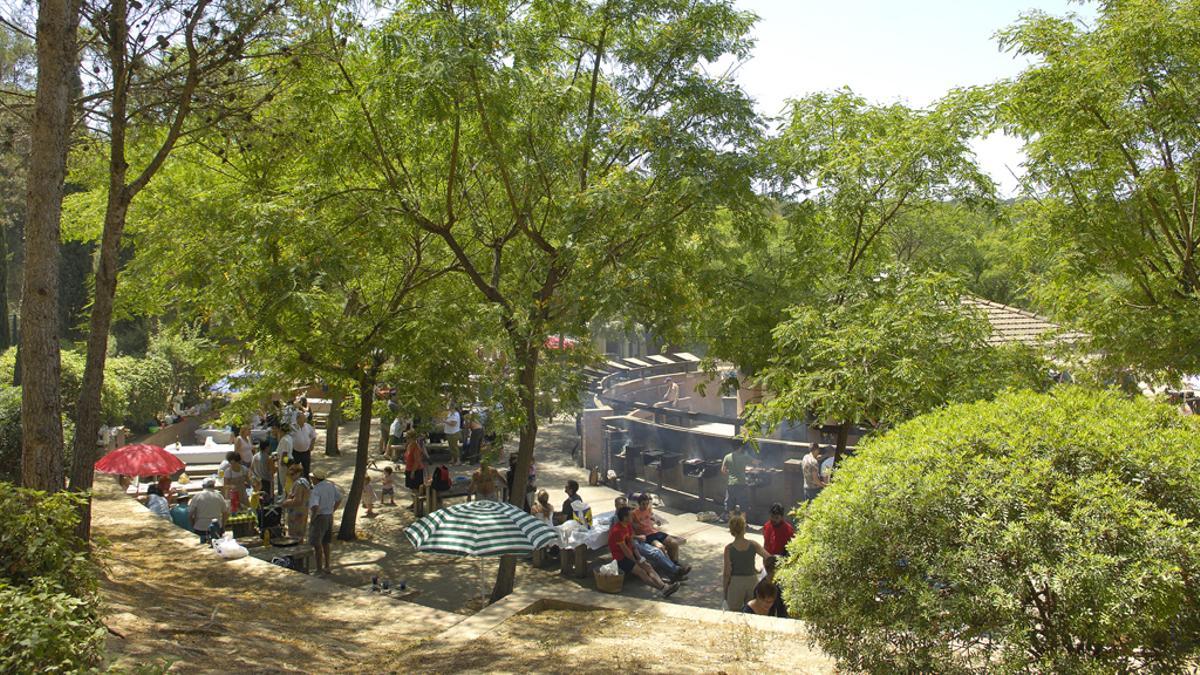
x: 228, y: 548
x: 610, y: 569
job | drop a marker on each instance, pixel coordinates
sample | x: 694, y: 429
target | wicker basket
x: 608, y: 583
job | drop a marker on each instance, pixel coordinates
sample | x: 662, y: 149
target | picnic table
x: 201, y: 454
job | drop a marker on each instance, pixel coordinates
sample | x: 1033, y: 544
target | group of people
x: 461, y: 430
x: 745, y: 588
x: 734, y: 466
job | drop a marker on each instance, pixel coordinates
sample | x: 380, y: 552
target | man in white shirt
x: 323, y: 500
x: 452, y: 427
x: 206, y: 507
x: 303, y: 437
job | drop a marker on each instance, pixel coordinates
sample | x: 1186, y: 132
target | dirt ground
x: 614, y: 642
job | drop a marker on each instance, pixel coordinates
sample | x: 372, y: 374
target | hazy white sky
x: 888, y: 50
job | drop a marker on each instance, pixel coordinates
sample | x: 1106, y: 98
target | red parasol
x: 140, y: 460
x: 556, y: 342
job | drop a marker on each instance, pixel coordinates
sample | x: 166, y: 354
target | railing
x: 662, y: 414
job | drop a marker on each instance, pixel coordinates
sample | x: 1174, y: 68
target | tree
x: 41, y: 421
x: 880, y: 351
x: 1107, y: 112
x: 556, y: 149
x: 152, y: 63
x: 1037, y: 532
x: 16, y: 69
x: 863, y: 168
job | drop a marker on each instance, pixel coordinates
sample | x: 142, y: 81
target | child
x: 389, y: 487
x: 368, y: 496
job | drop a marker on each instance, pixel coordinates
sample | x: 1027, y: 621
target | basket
x: 610, y: 583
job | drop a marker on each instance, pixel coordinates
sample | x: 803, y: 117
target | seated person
x: 765, y: 595
x: 657, y: 557
x: 568, y: 510
x: 769, y: 565
x: 483, y: 482
x: 620, y: 543
x: 645, y: 526
x: 542, y: 508
x: 157, y: 503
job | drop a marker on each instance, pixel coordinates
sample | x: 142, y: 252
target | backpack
x: 441, y: 479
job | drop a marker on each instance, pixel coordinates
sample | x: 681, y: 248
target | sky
x: 889, y: 50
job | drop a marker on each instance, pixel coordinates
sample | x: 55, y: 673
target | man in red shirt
x: 777, y: 532
x: 620, y: 544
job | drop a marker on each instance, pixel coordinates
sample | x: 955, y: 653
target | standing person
x: 452, y: 427
x: 483, y: 482
x: 237, y: 477
x: 387, y: 416
x: 740, y: 575
x: 474, y: 442
x: 388, y: 492
x: 297, y: 503
x: 323, y: 500
x: 303, y: 438
x: 243, y: 446
x: 206, y: 507
x: 262, y: 471
x: 733, y: 467
x: 283, y: 455
x: 810, y: 467
x: 620, y: 544
x: 777, y: 531
x: 415, y: 460
x: 368, y: 496
x: 671, y: 398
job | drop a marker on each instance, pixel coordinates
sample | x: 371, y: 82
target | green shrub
x: 48, y: 588
x: 147, y: 383
x: 10, y: 433
x: 1038, y: 532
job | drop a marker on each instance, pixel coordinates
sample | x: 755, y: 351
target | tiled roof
x: 1010, y: 324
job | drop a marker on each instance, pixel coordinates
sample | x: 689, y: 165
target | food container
x: 610, y: 583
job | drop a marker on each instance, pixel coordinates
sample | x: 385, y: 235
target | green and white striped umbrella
x: 480, y: 528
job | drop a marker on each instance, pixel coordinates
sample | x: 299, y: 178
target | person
x: 388, y: 485
x: 542, y: 508
x: 157, y: 503
x: 763, y: 602
x: 483, y: 482
x: 777, y: 531
x: 283, y: 454
x: 671, y: 398
x: 657, y: 557
x: 572, y: 490
x: 740, y: 574
x: 395, y: 436
x: 323, y: 500
x: 510, y: 479
x: 164, y: 484
x: 297, y: 502
x: 770, y: 563
x: 368, y: 496
x: 733, y: 467
x: 415, y: 460
x: 205, y: 507
x: 620, y: 544
x: 262, y: 470
x: 387, y: 418
x: 237, y: 477
x: 303, y: 438
x: 645, y: 527
x: 810, y: 468
x: 243, y: 446
x: 452, y: 427
x: 474, y: 443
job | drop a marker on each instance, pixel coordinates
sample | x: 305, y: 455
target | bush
x: 1039, y: 532
x: 147, y: 383
x: 10, y: 434
x: 48, y: 589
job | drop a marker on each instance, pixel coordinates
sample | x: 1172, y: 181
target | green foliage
x: 883, y: 350
x: 1107, y: 112
x: 147, y: 383
x: 1038, y: 532
x: 48, y: 589
x: 10, y: 433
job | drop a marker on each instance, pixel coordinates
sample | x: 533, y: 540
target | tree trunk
x: 87, y: 412
x: 527, y: 377
x: 332, y: 422
x: 366, y: 390
x: 6, y: 338
x: 843, y: 435
x: 41, y: 413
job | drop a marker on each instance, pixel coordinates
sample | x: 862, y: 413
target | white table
x: 201, y: 454
x: 218, y: 435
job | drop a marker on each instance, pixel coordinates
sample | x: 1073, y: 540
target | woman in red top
x: 777, y: 532
x: 620, y: 544
x: 414, y: 466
